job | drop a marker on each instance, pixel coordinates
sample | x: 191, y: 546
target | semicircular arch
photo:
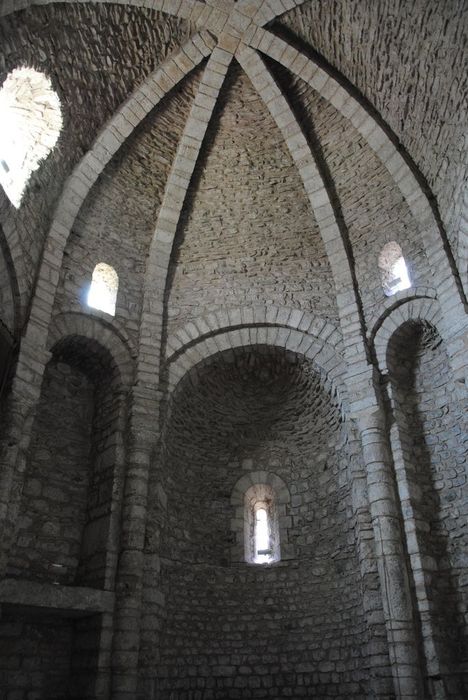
x: 267, y: 315
x: 70, y: 324
x: 422, y: 309
x: 320, y: 353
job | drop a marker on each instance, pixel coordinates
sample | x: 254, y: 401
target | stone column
x: 401, y: 624
x: 406, y: 495
x: 380, y: 680
x: 126, y: 644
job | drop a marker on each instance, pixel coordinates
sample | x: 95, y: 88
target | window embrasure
x: 262, y: 541
x: 393, y: 269
x: 261, y: 523
x: 102, y: 293
x: 31, y: 122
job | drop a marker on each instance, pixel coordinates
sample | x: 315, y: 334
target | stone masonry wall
x: 35, y: 657
x: 53, y: 508
x: 234, y: 630
x: 7, y: 310
x: 434, y: 436
x: 248, y: 234
x: 373, y: 209
x: 95, y: 55
x: 409, y: 60
x: 68, y: 493
x: 118, y: 218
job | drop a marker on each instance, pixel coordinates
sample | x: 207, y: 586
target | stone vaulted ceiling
x: 241, y: 169
x: 406, y: 94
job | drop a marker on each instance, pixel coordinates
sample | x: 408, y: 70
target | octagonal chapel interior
x: 233, y: 349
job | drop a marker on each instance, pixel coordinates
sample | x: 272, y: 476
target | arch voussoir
x: 268, y: 315
x: 421, y: 309
x: 316, y: 349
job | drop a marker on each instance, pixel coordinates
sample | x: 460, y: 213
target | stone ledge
x: 67, y: 601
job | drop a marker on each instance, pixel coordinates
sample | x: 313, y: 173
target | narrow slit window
x: 393, y: 269
x: 261, y: 535
x: 102, y: 293
x: 263, y: 550
x: 31, y: 121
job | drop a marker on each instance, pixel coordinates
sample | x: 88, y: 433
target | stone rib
x: 316, y: 191
x: 121, y: 126
x: 171, y: 208
x: 330, y: 90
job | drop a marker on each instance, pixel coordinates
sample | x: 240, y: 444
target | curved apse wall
x: 234, y: 629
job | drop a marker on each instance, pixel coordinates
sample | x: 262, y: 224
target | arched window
x: 393, y: 270
x: 262, y: 542
x: 261, y: 523
x: 31, y: 122
x: 102, y: 293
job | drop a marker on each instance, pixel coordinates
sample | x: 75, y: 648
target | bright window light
x: 31, y: 122
x: 102, y: 293
x: 400, y: 274
x: 261, y: 525
x: 393, y: 269
x: 262, y: 537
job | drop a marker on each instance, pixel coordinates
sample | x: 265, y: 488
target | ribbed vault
x: 240, y: 166
x: 401, y: 56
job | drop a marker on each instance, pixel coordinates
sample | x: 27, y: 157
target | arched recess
x: 252, y: 409
x: 67, y: 526
x: 408, y: 309
x: 268, y: 315
x: 415, y: 294
x: 313, y: 348
x: 328, y: 87
x: 115, y: 341
x: 259, y: 483
x: 429, y: 457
